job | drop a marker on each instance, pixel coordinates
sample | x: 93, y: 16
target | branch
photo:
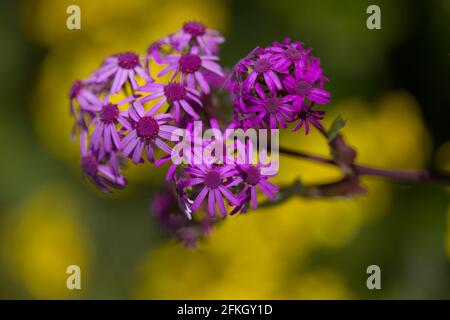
x: 410, y: 176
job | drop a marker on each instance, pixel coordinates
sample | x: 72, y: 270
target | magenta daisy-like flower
x: 154, y: 50
x: 80, y: 93
x: 271, y: 110
x: 121, y: 67
x: 191, y: 67
x: 148, y: 131
x: 308, y: 84
x: 166, y: 208
x: 307, y: 115
x: 274, y: 84
x: 288, y: 54
x: 263, y: 67
x: 177, y: 95
x: 107, y: 117
x: 214, y: 182
x: 256, y: 177
x: 207, y: 39
x: 81, y: 98
x: 103, y: 175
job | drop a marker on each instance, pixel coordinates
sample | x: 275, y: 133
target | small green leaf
x: 336, y: 126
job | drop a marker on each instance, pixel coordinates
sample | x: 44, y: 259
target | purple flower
x: 176, y: 94
x: 79, y: 93
x: 148, y: 131
x: 207, y: 39
x: 263, y: 67
x: 272, y: 85
x: 107, y: 117
x: 165, y: 207
x: 188, y: 150
x: 256, y: 177
x: 214, y: 182
x: 307, y: 115
x: 288, y: 54
x: 191, y: 66
x: 121, y: 67
x: 154, y: 50
x: 103, y: 175
x: 271, y: 110
x: 218, y: 142
x: 307, y: 84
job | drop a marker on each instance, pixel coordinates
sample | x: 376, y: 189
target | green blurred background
x: 390, y: 84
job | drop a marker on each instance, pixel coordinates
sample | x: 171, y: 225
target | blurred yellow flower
x: 118, y: 20
x: 41, y: 239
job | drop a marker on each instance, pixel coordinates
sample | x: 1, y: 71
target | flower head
x: 177, y: 95
x: 102, y: 172
x: 307, y: 115
x: 81, y: 98
x: 264, y: 68
x: 271, y: 110
x: 190, y: 66
x: 81, y: 93
x: 255, y: 177
x: 275, y: 86
x: 107, y: 120
x: 120, y: 68
x: 308, y: 84
x: 193, y: 31
x: 286, y: 55
x: 166, y: 209
x: 147, y: 131
x: 214, y: 182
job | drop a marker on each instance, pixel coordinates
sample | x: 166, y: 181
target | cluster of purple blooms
x: 121, y: 112
x: 279, y: 84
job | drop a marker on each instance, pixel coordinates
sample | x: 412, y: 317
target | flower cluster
x: 279, y: 84
x: 123, y: 114
x: 166, y: 210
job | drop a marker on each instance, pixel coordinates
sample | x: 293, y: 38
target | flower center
x: 174, y: 91
x: 272, y: 105
x: 75, y: 89
x: 262, y: 65
x: 190, y: 63
x: 302, y: 88
x: 147, y: 128
x: 109, y: 113
x: 293, y: 54
x: 252, y: 175
x: 89, y: 165
x: 212, y: 179
x: 304, y: 114
x: 128, y: 60
x: 194, y: 28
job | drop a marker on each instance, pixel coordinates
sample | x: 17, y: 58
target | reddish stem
x: 393, y: 174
